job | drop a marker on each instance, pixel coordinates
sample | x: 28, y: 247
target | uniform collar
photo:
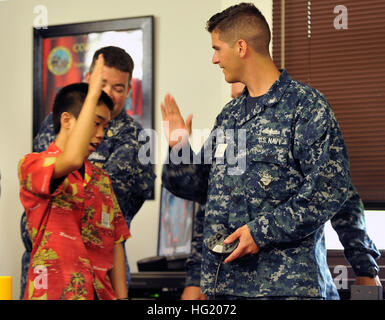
x: 277, y: 90
x: 120, y: 118
x: 114, y: 126
x: 269, y: 99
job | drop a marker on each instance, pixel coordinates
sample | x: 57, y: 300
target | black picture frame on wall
x: 62, y: 54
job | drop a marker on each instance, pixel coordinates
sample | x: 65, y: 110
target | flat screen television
x: 176, y: 220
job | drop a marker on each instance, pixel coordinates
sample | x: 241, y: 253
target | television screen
x: 175, y: 225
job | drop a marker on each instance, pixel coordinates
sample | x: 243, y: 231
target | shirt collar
x: 269, y: 99
x: 274, y: 94
x: 119, y: 118
x: 53, y: 148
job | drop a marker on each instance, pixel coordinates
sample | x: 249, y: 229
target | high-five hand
x: 95, y: 82
x: 175, y: 128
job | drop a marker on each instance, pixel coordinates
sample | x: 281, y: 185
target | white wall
x: 375, y: 222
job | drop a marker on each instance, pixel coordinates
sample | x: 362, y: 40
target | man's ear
x: 242, y: 47
x: 129, y: 87
x: 128, y: 90
x: 87, y: 76
x: 67, y: 120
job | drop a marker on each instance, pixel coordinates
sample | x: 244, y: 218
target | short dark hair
x: 242, y: 21
x: 115, y: 57
x: 71, y: 98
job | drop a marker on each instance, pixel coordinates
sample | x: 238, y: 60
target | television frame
x: 161, y: 213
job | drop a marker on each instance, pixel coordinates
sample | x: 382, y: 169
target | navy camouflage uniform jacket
x: 132, y: 181
x: 296, y: 177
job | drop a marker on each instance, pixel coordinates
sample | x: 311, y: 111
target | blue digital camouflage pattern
x: 296, y: 178
x: 349, y: 223
x: 132, y: 181
x: 194, y: 261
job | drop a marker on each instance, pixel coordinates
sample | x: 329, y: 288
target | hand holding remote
x: 246, y: 243
x: 216, y: 243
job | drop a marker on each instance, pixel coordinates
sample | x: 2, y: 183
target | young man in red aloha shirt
x: 73, y: 217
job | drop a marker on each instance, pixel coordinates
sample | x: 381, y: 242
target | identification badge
x: 105, y: 220
x: 220, y: 151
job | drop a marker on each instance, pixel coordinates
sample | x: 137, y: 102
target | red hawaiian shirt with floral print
x: 73, y: 229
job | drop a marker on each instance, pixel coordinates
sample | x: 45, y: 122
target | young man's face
x: 101, y: 122
x: 115, y: 84
x: 226, y: 57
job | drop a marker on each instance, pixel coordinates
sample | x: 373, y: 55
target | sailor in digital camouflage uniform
x: 349, y: 223
x: 132, y: 181
x: 291, y: 173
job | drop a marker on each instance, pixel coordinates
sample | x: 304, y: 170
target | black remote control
x: 216, y: 244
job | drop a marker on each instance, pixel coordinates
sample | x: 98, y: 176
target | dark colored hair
x: 115, y: 57
x: 71, y: 98
x: 242, y: 21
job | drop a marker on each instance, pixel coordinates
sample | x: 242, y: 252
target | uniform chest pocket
x: 268, y: 170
